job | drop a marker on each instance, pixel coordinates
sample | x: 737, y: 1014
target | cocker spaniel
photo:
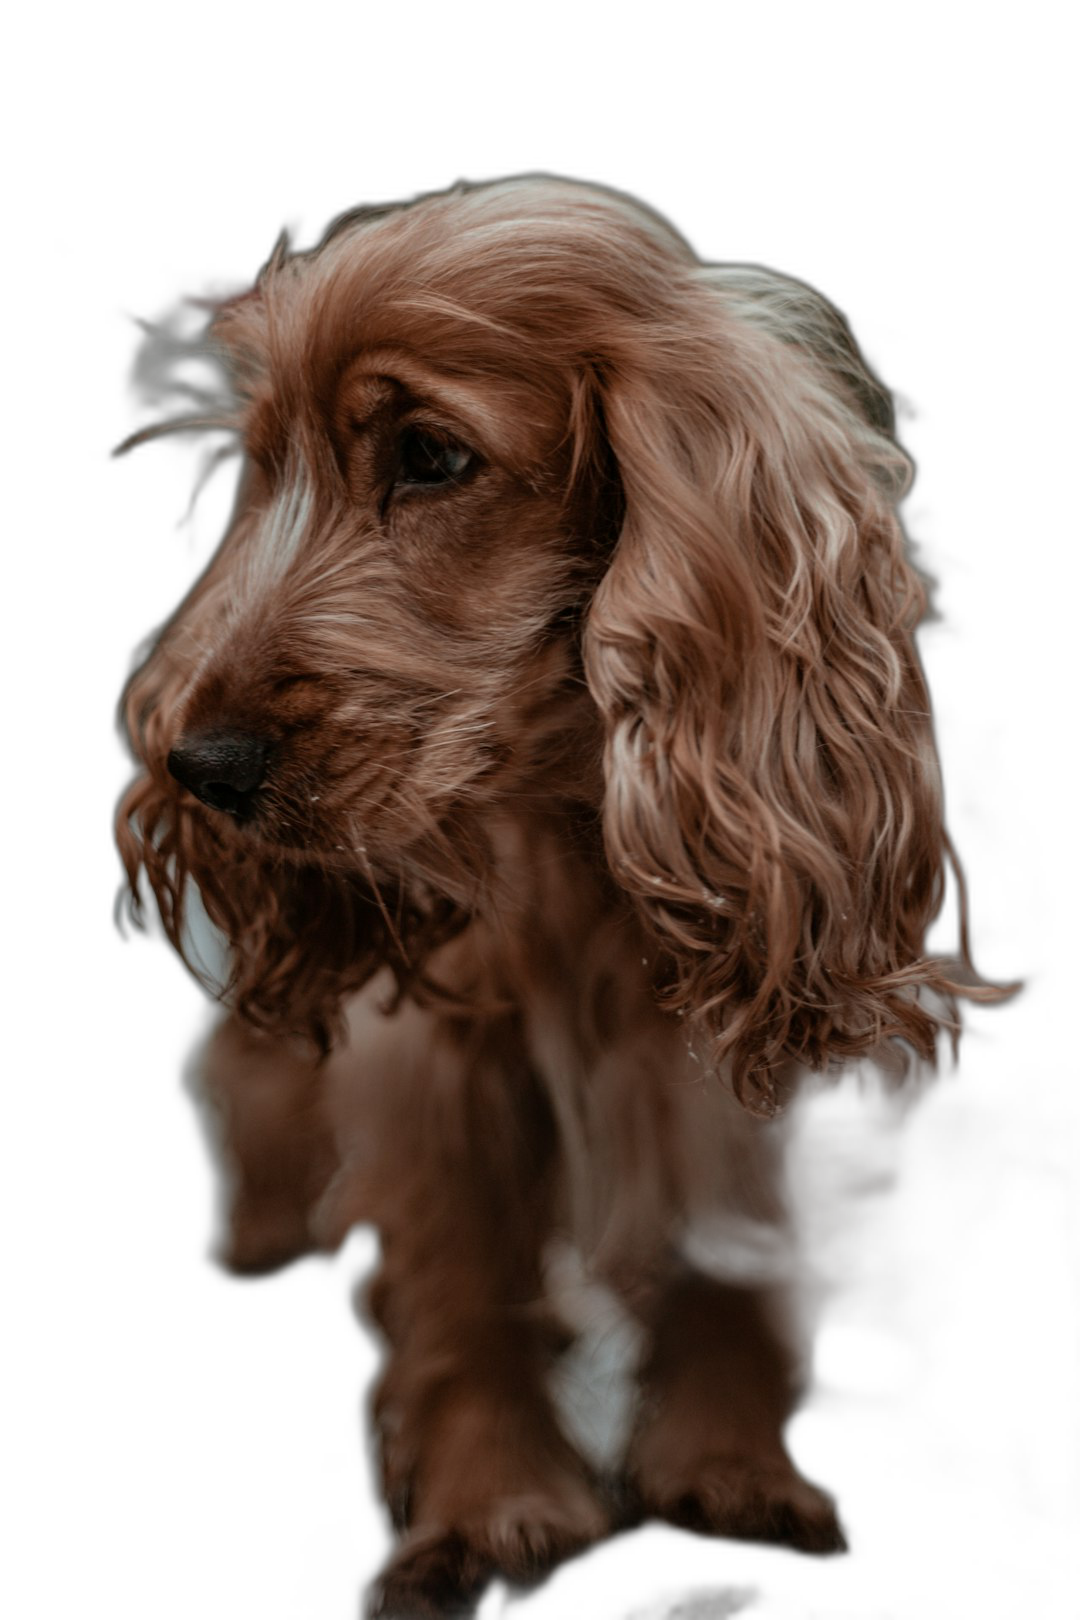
x: 548, y: 742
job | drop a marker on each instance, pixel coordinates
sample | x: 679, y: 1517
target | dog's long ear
x: 773, y: 801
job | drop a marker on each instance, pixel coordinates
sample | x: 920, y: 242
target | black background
x: 232, y: 1411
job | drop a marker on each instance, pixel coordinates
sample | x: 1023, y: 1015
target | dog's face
x: 540, y: 515
x: 388, y: 637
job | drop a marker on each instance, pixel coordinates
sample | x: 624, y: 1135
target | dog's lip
x: 275, y: 835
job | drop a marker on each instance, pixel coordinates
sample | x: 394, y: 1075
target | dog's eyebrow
x: 493, y: 414
x: 366, y: 398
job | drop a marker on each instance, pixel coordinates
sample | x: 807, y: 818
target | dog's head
x: 537, y: 510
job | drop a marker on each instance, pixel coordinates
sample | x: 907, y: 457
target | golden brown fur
x: 565, y: 624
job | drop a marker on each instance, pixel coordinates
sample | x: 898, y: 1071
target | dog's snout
x: 222, y: 768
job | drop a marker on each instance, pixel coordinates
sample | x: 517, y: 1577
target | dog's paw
x: 748, y: 1499
x: 441, y: 1571
x: 431, y: 1577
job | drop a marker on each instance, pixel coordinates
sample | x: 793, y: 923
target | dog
x: 548, y: 744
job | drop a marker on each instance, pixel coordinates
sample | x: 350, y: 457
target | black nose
x: 222, y: 768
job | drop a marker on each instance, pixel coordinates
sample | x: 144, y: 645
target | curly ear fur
x: 773, y: 796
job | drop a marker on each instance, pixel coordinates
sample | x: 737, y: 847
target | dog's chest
x: 651, y: 1142
x: 655, y: 1152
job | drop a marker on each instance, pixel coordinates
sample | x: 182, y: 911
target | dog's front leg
x: 475, y: 1468
x: 272, y: 1131
x: 718, y: 1386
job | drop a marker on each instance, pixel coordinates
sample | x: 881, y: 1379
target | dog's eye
x: 426, y: 460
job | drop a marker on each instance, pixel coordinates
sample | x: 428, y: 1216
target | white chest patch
x: 593, y: 1383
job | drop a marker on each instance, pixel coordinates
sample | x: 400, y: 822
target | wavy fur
x: 562, y: 645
